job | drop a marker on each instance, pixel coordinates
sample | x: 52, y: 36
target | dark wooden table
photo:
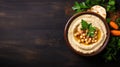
x: 31, y: 35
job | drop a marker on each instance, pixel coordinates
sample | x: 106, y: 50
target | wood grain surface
x: 31, y: 35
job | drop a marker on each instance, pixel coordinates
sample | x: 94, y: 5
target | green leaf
x: 84, y: 24
x: 78, y: 10
x: 83, y: 5
x: 108, y: 8
x: 76, y: 6
x: 111, y: 2
x: 111, y: 6
x: 79, y: 7
x: 109, y: 58
x: 91, y: 30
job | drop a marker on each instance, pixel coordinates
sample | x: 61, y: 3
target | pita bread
x: 99, y: 10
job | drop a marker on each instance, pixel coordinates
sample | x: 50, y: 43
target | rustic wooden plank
x: 31, y: 32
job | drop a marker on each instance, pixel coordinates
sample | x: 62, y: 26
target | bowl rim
x: 77, y: 15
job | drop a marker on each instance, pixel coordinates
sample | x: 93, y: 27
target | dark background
x: 31, y: 35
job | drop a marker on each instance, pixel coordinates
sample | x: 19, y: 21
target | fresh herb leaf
x: 83, y: 5
x: 111, y: 2
x: 84, y: 24
x: 108, y: 8
x: 79, y: 7
x: 76, y: 6
x: 91, y: 30
x: 109, y: 57
x: 111, y: 5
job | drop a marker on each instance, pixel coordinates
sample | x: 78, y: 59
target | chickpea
x: 82, y: 40
x: 81, y: 36
x: 89, y: 39
x: 86, y: 39
x: 96, y: 32
x: 95, y: 40
x: 86, y: 42
x: 84, y: 34
x: 95, y: 37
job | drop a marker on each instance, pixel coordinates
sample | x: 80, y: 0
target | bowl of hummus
x: 87, y: 33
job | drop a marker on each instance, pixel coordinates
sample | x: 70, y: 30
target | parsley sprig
x: 83, y: 6
x: 89, y: 27
x: 79, y: 7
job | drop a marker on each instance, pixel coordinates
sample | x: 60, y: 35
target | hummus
x: 80, y: 47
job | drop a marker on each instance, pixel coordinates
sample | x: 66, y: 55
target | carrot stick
x: 114, y: 25
x: 115, y: 32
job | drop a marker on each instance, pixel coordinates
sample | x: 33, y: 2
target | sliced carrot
x: 115, y: 32
x: 114, y: 25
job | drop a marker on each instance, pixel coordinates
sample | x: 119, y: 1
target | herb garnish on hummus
x: 87, y: 34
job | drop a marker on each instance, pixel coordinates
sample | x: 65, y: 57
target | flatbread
x: 99, y: 10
